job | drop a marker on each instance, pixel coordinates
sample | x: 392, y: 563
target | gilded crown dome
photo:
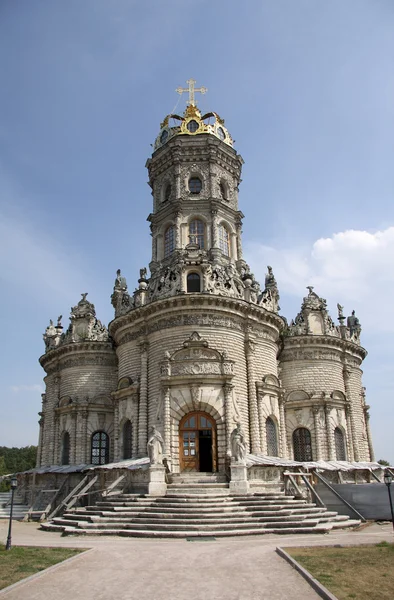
x: 192, y: 123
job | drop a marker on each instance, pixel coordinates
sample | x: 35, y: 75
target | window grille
x: 100, y: 448
x: 195, y: 185
x: 127, y: 440
x: 224, y: 240
x: 302, y: 444
x: 169, y: 241
x: 272, y: 438
x: 197, y: 233
x: 66, y: 448
x: 340, y: 447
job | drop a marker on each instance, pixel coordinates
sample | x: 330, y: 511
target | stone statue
x: 120, y: 282
x: 270, y: 278
x: 353, y: 323
x: 59, y: 322
x: 340, y: 312
x: 143, y: 273
x: 84, y: 297
x: 155, y: 447
x: 310, y: 288
x: 238, y: 444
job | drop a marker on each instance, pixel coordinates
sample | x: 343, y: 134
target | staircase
x: 19, y: 509
x: 198, y: 505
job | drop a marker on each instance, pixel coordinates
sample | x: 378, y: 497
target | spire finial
x: 191, y: 89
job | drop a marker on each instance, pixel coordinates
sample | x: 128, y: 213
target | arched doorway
x: 197, y: 443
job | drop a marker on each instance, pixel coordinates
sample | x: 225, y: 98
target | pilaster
x: 316, y: 412
x: 329, y: 433
x: 282, y: 429
x: 252, y: 396
x: 143, y: 402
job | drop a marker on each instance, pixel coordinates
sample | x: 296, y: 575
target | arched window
x: 169, y: 241
x: 197, y: 233
x: 272, y: 438
x: 193, y: 283
x: 99, y: 448
x: 66, y: 448
x: 224, y: 240
x: 223, y: 190
x: 167, y: 192
x: 302, y: 444
x: 127, y: 440
x: 340, y: 447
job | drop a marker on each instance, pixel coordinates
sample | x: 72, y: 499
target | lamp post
x: 388, y: 480
x: 14, y: 484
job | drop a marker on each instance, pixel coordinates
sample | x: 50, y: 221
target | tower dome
x: 193, y: 122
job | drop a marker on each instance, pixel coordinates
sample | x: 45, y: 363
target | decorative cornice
x: 304, y: 341
x: 239, y: 309
x: 78, y: 350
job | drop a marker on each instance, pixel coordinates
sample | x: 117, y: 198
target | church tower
x: 199, y: 331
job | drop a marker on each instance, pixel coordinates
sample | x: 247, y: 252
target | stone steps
x: 207, y: 513
x: 19, y: 509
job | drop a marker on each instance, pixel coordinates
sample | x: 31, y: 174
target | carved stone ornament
x: 196, y: 358
x: 84, y: 327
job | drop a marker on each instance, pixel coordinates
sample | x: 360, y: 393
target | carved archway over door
x: 198, y: 443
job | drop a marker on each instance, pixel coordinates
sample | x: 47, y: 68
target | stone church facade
x: 199, y: 346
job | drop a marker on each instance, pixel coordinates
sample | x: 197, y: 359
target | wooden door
x: 189, y: 435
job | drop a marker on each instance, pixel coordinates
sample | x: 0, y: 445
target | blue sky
x: 307, y: 90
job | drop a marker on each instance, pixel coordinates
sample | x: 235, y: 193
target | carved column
x: 177, y: 179
x: 73, y: 439
x: 178, y: 230
x: 349, y: 436
x: 51, y: 424
x: 228, y: 394
x: 85, y: 458
x: 57, y: 441
x: 143, y: 403
x: 116, y: 431
x: 39, y: 449
x: 330, y: 433
x: 233, y: 247
x: 252, y: 397
x: 167, y: 421
x: 215, y: 236
x: 316, y: 412
x: 239, y: 240
x: 356, y: 452
x: 153, y: 229
x: 369, y: 435
x: 263, y: 431
x: 282, y: 430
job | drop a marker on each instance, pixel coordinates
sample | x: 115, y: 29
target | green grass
x: 357, y: 572
x: 21, y: 561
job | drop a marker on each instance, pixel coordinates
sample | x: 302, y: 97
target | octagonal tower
x: 198, y: 332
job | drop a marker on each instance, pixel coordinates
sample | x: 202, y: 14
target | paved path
x: 131, y: 569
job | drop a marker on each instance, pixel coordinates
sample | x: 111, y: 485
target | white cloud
x: 354, y: 268
x: 35, y: 387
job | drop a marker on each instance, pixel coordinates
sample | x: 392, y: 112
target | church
x: 199, y: 349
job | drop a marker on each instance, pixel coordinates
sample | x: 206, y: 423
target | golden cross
x: 191, y: 89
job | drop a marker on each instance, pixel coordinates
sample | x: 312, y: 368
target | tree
x: 383, y: 462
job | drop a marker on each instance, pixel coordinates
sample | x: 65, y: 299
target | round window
x: 195, y: 185
x: 164, y: 136
x: 192, y: 126
x: 221, y: 133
